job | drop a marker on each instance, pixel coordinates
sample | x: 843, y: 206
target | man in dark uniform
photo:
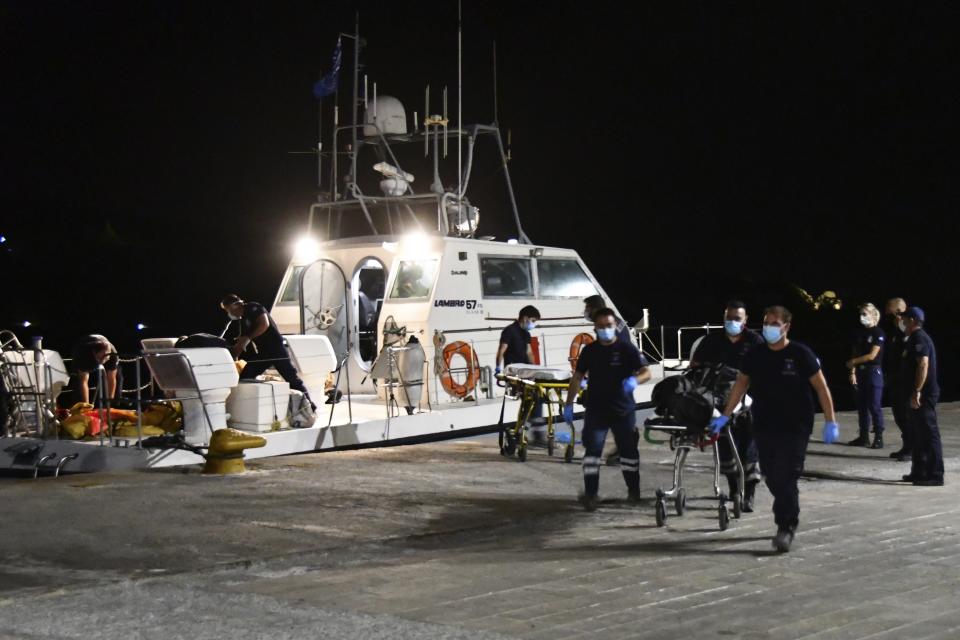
x: 921, y: 390
x: 892, y: 385
x: 515, y: 339
x: 88, y: 354
x: 729, y: 348
x: 780, y: 378
x: 615, y: 369
x: 258, y: 329
x: 867, y: 377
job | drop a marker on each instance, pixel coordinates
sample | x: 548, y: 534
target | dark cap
x: 913, y: 312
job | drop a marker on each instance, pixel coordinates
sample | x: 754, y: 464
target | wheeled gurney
x: 535, y: 384
x: 683, y: 439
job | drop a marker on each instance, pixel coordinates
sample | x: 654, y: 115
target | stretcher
x: 683, y: 439
x: 535, y: 384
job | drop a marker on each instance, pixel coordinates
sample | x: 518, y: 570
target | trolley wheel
x: 737, y: 506
x: 509, y: 447
x: 522, y: 453
x: 680, y: 502
x: 661, y: 513
x: 551, y: 445
x: 724, y: 518
x: 568, y: 453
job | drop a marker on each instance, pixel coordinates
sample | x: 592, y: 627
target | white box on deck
x: 253, y: 405
x: 314, y: 358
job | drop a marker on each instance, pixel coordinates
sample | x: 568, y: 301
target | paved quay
x: 452, y: 541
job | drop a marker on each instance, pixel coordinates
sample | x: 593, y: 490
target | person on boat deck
x: 615, y: 369
x: 88, y: 354
x: 515, y: 348
x: 866, y: 376
x: 729, y: 348
x: 595, y: 303
x: 781, y: 378
x: 258, y: 330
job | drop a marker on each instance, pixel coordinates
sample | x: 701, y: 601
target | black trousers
x: 927, y: 447
x: 595, y: 427
x: 782, y: 455
x: 901, y: 413
x: 283, y: 366
x: 746, y: 447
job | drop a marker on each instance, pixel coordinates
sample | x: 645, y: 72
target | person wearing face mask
x: 515, y: 339
x: 781, y: 378
x: 920, y: 391
x: 260, y: 343
x: 891, y: 376
x: 595, y: 303
x: 866, y: 376
x: 615, y: 370
x: 729, y: 348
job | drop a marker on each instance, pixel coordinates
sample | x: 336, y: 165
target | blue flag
x: 327, y: 85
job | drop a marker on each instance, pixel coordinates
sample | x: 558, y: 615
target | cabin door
x: 325, y: 304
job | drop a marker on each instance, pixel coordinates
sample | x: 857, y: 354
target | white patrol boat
x: 392, y: 308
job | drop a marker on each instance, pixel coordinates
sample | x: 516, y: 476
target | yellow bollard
x: 225, y: 455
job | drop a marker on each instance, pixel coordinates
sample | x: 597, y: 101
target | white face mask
x: 865, y: 321
x: 901, y: 326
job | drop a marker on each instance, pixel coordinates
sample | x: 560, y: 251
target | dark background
x: 689, y: 153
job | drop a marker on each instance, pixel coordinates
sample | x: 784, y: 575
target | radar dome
x: 389, y: 115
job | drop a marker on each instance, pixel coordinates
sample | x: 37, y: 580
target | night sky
x: 689, y: 153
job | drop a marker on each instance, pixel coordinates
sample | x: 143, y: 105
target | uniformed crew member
x: 892, y: 356
x: 258, y: 329
x: 595, y: 303
x: 866, y: 376
x: 729, y: 348
x: 615, y: 370
x: 515, y: 339
x: 88, y: 354
x: 921, y: 390
x: 780, y: 378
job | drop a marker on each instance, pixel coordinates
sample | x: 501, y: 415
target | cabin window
x: 506, y: 277
x: 563, y: 278
x: 291, y: 288
x: 414, y: 279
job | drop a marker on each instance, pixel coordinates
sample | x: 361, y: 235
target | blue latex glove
x: 583, y: 383
x: 718, y: 423
x: 497, y: 371
x: 831, y: 432
x: 629, y: 384
x: 563, y: 437
x: 568, y: 413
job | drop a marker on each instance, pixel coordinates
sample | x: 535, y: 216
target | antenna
x: 365, y: 105
x: 426, y: 127
x: 375, y: 104
x: 459, y: 100
x: 495, y: 118
x: 444, y: 122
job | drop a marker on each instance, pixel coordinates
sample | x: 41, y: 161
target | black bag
x: 201, y: 341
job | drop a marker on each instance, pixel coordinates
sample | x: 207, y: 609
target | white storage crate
x: 253, y: 405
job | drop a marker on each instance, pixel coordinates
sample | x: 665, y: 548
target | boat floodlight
x: 512, y: 241
x: 26, y: 323
x: 536, y: 253
x: 306, y: 250
x: 141, y: 326
x: 415, y: 243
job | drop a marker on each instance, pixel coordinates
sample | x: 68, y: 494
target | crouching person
x: 615, y: 369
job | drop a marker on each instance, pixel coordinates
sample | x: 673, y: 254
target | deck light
x: 26, y: 323
x: 141, y: 326
x: 416, y: 243
x: 306, y: 250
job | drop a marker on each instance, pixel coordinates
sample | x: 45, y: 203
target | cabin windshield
x: 414, y: 279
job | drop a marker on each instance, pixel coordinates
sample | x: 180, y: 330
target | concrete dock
x: 450, y: 540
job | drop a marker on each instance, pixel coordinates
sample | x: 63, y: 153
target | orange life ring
x: 576, y: 346
x: 450, y: 384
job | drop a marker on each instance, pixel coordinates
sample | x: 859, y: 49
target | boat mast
x: 459, y: 106
x: 356, y: 79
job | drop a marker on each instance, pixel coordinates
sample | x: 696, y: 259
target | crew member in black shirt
x: 258, y: 329
x: 615, y: 370
x: 921, y: 390
x: 781, y: 378
x: 515, y: 339
x: 867, y: 377
x: 728, y: 349
x: 892, y: 356
x: 88, y: 354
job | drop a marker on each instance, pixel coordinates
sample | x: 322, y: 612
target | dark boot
x: 748, y: 493
x: 732, y: 484
x: 863, y: 440
x: 877, y: 441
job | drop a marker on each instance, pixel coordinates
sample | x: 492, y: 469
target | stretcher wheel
x: 661, y: 513
x: 724, y: 518
x: 680, y: 502
x: 551, y: 443
x: 737, y: 507
x: 568, y: 453
x: 522, y: 454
